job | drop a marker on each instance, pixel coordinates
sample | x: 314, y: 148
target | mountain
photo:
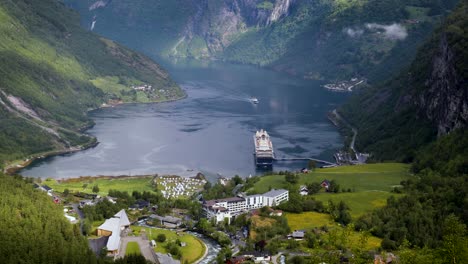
x: 325, y: 39
x: 52, y: 72
x: 426, y: 101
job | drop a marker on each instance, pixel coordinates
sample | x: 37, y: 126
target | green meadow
x: 86, y: 184
x: 370, y: 184
x: 193, y: 250
x: 310, y: 220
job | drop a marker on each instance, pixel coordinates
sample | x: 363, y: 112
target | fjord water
x: 211, y: 131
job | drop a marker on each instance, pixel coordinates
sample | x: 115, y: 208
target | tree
x: 291, y: 178
x: 85, y: 185
x: 237, y: 180
x: 312, y: 164
x: 314, y: 187
x: 66, y: 192
x: 455, y: 240
x: 334, y: 187
x: 161, y: 238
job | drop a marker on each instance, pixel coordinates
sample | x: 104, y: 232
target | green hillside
x: 428, y: 100
x: 52, y: 72
x: 34, y: 230
x: 327, y: 39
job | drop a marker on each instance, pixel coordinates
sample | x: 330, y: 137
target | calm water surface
x: 210, y: 131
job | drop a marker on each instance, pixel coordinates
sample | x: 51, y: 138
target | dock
x: 328, y: 163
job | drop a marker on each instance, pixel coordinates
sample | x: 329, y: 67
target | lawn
x: 359, y: 202
x: 128, y: 184
x: 380, y: 176
x: 309, y: 220
x: 132, y: 248
x: 193, y: 251
x: 370, y: 184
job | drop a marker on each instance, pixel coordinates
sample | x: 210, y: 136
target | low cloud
x: 354, y: 33
x: 394, y: 31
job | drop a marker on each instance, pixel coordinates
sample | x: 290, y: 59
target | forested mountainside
x: 431, y: 218
x: 428, y: 100
x: 52, y: 72
x: 316, y: 39
x: 34, y: 230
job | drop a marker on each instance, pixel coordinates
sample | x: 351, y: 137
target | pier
x: 328, y: 163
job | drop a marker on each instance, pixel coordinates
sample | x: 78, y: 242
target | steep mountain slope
x: 34, y: 230
x: 324, y: 39
x: 427, y: 101
x: 52, y: 72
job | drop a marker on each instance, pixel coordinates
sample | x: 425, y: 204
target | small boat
x: 254, y: 100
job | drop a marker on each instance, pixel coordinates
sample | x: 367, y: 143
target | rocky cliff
x: 428, y: 100
x: 215, y: 25
x: 308, y: 38
x: 444, y: 100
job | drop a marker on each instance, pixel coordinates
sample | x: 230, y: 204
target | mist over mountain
x: 429, y: 99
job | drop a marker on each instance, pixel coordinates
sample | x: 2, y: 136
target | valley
x: 115, y: 156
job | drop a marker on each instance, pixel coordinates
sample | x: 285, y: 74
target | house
x: 236, y: 260
x: 139, y: 205
x: 43, y: 188
x: 325, y: 184
x: 276, y: 212
x: 112, y: 228
x: 167, y: 221
x: 256, y: 256
x: 86, y: 202
x: 47, y: 188
x: 297, y: 234
x: 303, y: 190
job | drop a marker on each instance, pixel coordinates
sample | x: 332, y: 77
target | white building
x: 112, y: 228
x: 275, y: 197
x: 220, y: 209
x: 254, y: 201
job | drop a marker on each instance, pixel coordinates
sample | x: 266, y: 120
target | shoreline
x: 17, y: 165
x: 14, y: 167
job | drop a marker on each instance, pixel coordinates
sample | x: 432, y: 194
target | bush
x: 161, y: 238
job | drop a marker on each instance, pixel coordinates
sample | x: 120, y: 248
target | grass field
x: 310, y: 220
x: 128, y: 184
x: 193, y: 251
x: 132, y: 248
x: 370, y: 184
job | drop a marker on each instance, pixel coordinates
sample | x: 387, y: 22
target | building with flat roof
x: 275, y: 197
x: 219, y: 209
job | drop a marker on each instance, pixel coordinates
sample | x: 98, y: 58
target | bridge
x: 307, y: 159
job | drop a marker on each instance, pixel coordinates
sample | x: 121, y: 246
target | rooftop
x: 274, y: 193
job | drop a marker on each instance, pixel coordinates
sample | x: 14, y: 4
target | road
x: 80, y: 215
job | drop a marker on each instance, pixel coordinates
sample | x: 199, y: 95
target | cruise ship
x: 264, y: 153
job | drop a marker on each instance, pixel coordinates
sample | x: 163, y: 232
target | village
x: 185, y: 220
x: 345, y: 86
